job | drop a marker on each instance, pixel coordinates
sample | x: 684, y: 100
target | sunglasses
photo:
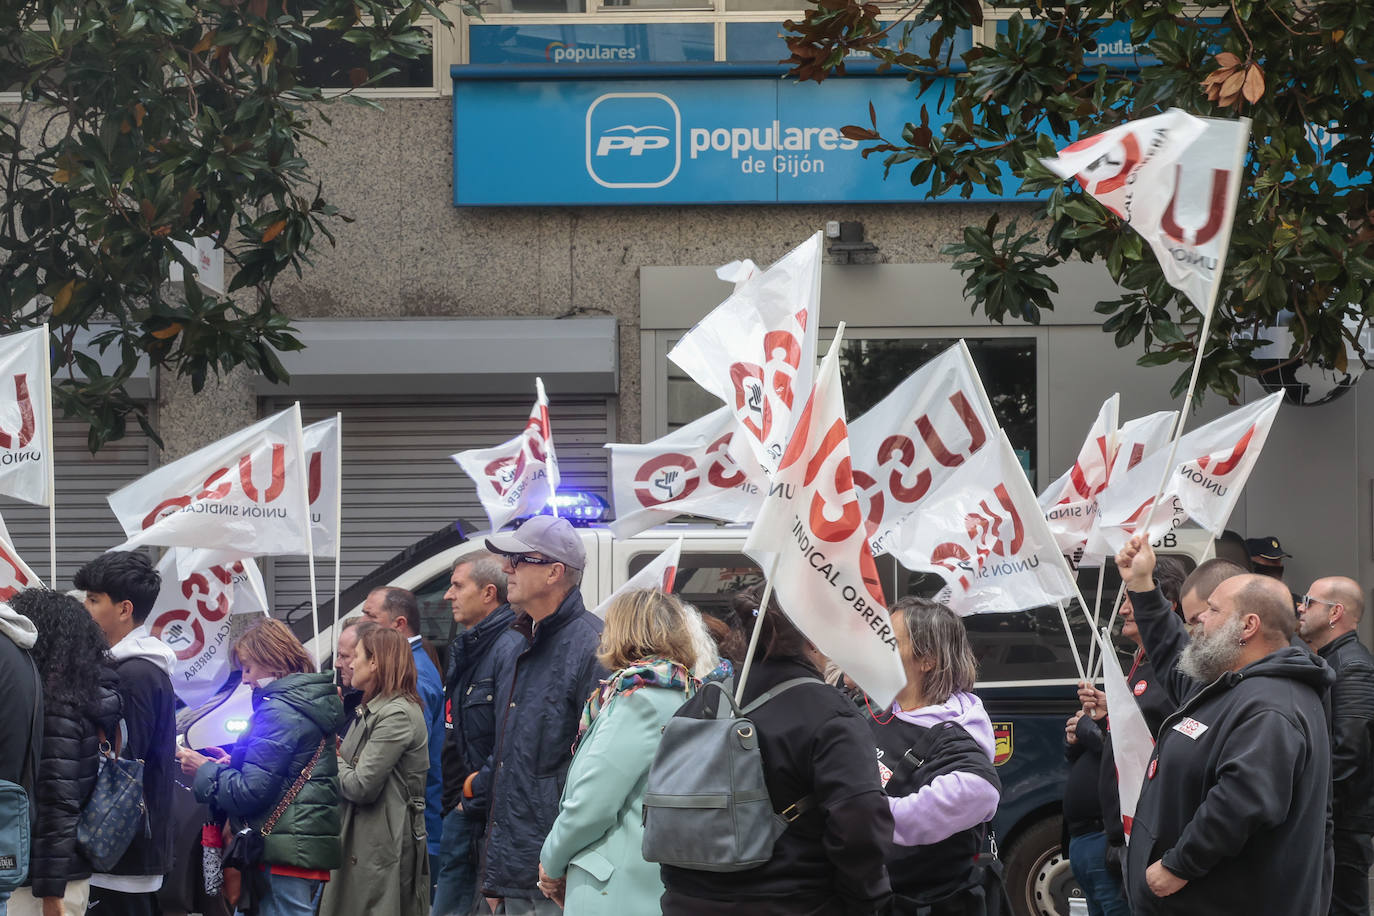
x: 516, y: 559
x: 1306, y: 600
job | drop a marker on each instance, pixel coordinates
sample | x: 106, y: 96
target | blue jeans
x: 1087, y: 858
x: 456, y: 877
x: 289, y: 896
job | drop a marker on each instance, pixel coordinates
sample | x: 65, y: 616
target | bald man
x: 1328, y: 616
x: 1235, y: 808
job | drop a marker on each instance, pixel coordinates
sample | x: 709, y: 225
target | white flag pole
x: 758, y: 628
x: 1073, y: 645
x: 1203, y: 336
x: 338, y: 525
x: 1097, y: 613
x: 541, y: 395
x: 52, y: 464
x: 303, y: 474
x: 768, y: 585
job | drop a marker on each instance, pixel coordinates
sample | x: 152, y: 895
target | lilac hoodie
x: 954, y: 801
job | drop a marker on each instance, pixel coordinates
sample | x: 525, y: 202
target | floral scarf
x: 647, y: 672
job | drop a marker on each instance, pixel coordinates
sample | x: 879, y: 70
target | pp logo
x: 634, y: 140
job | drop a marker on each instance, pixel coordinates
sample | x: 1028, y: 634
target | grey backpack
x: 706, y: 805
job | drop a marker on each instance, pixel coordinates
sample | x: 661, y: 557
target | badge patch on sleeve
x: 1190, y: 727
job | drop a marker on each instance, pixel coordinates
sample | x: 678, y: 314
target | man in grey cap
x: 539, y: 706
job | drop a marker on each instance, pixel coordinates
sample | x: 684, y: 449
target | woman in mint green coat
x: 591, y: 862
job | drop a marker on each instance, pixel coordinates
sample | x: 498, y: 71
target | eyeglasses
x: 516, y: 559
x: 1305, y: 600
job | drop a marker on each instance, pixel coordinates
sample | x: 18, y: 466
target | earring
x: 1242, y: 642
x: 1332, y: 624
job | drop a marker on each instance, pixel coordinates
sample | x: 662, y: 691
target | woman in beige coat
x: 383, y: 762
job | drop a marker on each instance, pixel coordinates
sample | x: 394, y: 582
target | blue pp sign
x: 651, y: 141
x: 634, y: 140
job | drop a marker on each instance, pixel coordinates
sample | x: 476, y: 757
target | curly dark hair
x: 778, y: 637
x: 71, y: 649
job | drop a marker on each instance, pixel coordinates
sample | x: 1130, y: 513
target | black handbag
x: 247, y: 847
x: 116, y: 810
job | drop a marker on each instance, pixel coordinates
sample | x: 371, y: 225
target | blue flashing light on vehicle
x: 578, y: 506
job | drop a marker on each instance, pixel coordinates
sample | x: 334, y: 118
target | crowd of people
x: 512, y: 778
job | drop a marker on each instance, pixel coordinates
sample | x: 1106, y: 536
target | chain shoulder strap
x: 290, y: 795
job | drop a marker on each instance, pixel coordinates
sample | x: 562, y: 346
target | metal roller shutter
x: 399, y: 484
x: 85, y: 524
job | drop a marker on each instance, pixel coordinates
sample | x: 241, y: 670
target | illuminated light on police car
x: 579, y: 505
x: 236, y: 726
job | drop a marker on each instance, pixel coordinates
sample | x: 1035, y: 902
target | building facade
x: 550, y: 193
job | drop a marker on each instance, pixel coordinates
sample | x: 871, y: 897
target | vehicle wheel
x: 1039, y: 880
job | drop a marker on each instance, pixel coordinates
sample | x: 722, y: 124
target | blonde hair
x: 646, y: 623
x: 271, y: 644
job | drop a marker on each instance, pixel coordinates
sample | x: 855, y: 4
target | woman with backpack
x: 935, y: 750
x: 383, y: 764
x: 79, y: 702
x: 591, y: 862
x: 819, y: 772
x: 280, y: 782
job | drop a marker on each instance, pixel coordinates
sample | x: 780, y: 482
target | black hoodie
x: 1237, y: 795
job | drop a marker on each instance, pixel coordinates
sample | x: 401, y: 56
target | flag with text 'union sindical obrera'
x: 519, y: 476
x: 1211, y: 466
x: 246, y: 493
x: 756, y: 351
x: 26, y: 465
x: 1174, y: 179
x: 690, y: 471
x: 984, y: 534
x: 907, y: 444
x: 812, y: 526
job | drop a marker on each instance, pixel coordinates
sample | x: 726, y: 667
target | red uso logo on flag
x: 897, y: 455
x: 1140, y: 688
x: 26, y: 421
x: 753, y: 384
x: 184, y: 629
x: 834, y: 514
x: 666, y: 478
x: 504, y: 472
x: 185, y: 633
x: 985, y: 538
x: 220, y: 484
x: 13, y: 579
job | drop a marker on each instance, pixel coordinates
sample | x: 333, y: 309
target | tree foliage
x: 1302, y: 250
x: 148, y: 122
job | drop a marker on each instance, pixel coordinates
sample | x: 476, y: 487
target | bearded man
x: 1234, y: 814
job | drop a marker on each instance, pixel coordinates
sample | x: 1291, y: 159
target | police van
x: 1027, y: 677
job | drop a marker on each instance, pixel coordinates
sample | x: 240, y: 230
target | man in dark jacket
x: 540, y: 703
x: 21, y: 716
x: 1329, y: 614
x: 121, y: 587
x: 479, y: 658
x: 1236, y: 800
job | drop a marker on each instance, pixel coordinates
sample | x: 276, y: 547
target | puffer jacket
x: 66, y: 776
x: 1352, y: 733
x: 478, y: 660
x: 540, y: 707
x: 291, y: 715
